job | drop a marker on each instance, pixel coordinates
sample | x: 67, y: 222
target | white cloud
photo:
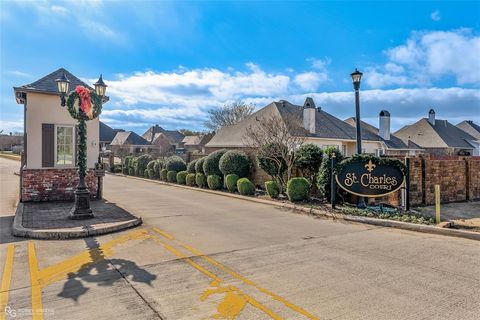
x: 11, y: 126
x: 435, y: 15
x: 97, y: 30
x: 320, y: 64
x: 309, y: 81
x: 427, y: 57
x: 59, y: 9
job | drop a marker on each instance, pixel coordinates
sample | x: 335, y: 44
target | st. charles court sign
x: 370, y: 176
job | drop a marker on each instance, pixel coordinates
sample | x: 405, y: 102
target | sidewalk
x: 464, y: 215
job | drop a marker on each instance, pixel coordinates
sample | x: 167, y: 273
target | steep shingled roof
x: 47, y: 84
x: 393, y: 143
x: 128, y: 138
x: 470, y: 127
x: 107, y: 133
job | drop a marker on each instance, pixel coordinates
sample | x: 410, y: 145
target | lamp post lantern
x: 83, y: 104
x: 356, y: 78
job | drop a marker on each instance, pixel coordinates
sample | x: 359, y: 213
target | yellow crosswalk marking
x: 6, y: 280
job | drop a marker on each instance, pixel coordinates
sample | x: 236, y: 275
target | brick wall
x: 53, y: 184
x: 473, y: 168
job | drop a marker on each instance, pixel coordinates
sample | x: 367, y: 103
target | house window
x: 64, y: 149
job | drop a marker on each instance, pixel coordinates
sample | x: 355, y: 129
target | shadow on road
x: 103, y: 271
x: 6, y: 236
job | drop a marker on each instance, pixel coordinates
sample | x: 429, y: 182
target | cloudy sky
x: 170, y: 62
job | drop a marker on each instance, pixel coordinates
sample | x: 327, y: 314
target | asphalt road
x: 203, y: 256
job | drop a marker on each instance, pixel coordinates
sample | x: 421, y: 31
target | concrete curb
x: 68, y: 233
x: 372, y: 221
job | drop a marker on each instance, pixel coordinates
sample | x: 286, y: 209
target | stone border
x: 68, y: 233
x: 372, y: 221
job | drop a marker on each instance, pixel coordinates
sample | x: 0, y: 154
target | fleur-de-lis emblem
x: 370, y: 166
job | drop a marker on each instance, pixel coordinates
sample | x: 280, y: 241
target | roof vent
x: 431, y: 117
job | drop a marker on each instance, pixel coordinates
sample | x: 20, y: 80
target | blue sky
x: 170, y: 62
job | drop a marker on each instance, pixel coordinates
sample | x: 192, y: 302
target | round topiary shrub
x: 231, y: 182
x: 235, y: 162
x: 309, y: 158
x: 150, y: 172
x: 175, y: 163
x: 141, y: 164
x: 172, y: 176
x: 200, y: 180
x: 190, y: 180
x: 182, y: 177
x: 191, y: 166
x: 245, y: 187
x: 127, y: 164
x: 131, y: 171
x: 272, y: 189
x: 298, y: 189
x: 163, y: 174
x: 210, y: 165
x: 199, y: 165
x: 157, y: 167
x: 214, y: 182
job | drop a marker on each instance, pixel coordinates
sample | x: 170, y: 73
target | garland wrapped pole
x: 83, y: 105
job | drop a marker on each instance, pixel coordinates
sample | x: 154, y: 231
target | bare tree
x: 277, y: 139
x: 228, y: 115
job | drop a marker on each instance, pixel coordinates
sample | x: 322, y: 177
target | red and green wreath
x: 84, y: 104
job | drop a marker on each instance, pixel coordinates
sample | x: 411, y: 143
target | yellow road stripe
x: 214, y: 277
x: 6, y: 280
x: 37, y: 306
x: 163, y: 233
x: 248, y: 282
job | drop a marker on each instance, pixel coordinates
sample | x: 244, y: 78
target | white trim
x: 66, y: 166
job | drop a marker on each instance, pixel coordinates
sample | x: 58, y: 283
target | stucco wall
x: 45, y: 108
x: 350, y: 147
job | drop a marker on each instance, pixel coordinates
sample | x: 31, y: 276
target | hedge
x: 175, y: 163
x: 127, y: 164
x: 199, y: 165
x: 235, y: 162
x: 172, y: 176
x: 131, y: 171
x: 141, y: 164
x: 231, y: 182
x: 245, y: 187
x: 163, y: 174
x: 272, y: 189
x: 324, y: 173
x: 150, y: 172
x: 298, y: 189
x: 200, y: 180
x: 191, y: 166
x: 210, y: 165
x: 190, y: 180
x: 309, y: 159
x: 157, y: 167
x: 182, y: 177
x: 214, y: 182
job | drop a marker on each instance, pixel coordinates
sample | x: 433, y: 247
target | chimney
x: 431, y: 117
x: 384, y: 125
x: 309, y: 111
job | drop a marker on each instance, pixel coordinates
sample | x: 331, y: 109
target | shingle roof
x: 192, y: 140
x: 128, y: 138
x: 47, y: 84
x: 453, y: 136
x: 393, y: 143
x: 470, y: 127
x: 149, y: 135
x: 327, y: 126
x: 107, y: 133
x: 175, y: 137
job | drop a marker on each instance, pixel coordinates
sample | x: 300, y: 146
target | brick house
x: 48, y: 169
x: 196, y: 143
x: 128, y: 142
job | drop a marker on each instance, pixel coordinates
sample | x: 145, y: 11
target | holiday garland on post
x: 83, y: 104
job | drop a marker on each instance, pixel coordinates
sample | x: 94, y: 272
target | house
x: 48, y: 171
x: 107, y: 134
x: 391, y: 145
x: 10, y: 142
x: 471, y: 128
x: 439, y: 137
x: 165, y: 141
x: 318, y: 127
x: 128, y: 142
x: 196, y: 143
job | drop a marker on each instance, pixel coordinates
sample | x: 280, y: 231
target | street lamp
x: 356, y: 78
x: 83, y: 104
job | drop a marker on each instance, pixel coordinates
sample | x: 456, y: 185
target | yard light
x: 62, y: 85
x: 356, y: 77
x: 100, y: 87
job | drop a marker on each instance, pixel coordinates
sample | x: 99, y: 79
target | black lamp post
x: 356, y: 78
x: 81, y: 208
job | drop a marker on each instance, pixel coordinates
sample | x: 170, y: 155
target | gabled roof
x: 48, y: 84
x: 470, y: 127
x: 453, y: 136
x: 327, y: 126
x: 393, y: 143
x: 107, y: 133
x: 128, y: 138
x: 175, y: 137
x: 192, y: 140
x: 150, y: 133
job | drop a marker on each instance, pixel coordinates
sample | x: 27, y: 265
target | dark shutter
x: 48, y: 145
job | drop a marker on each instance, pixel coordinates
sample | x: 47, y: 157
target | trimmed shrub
x: 270, y: 159
x: 131, y: 171
x: 182, y: 177
x: 150, y: 172
x: 235, y: 162
x: 298, y: 189
x: 117, y: 168
x: 191, y: 166
x: 157, y: 167
x: 214, y: 182
x: 190, y: 180
x: 199, y: 165
x: 325, y: 172
x: 309, y: 159
x: 245, y: 187
x: 231, y: 182
x: 163, y: 174
x: 172, y: 176
x: 126, y: 163
x: 133, y: 164
x: 200, y: 180
x: 272, y: 189
x: 141, y: 164
x: 175, y: 163
x: 210, y: 165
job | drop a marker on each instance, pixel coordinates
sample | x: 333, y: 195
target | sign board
x: 363, y: 178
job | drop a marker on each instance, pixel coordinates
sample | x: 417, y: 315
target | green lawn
x: 10, y: 155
